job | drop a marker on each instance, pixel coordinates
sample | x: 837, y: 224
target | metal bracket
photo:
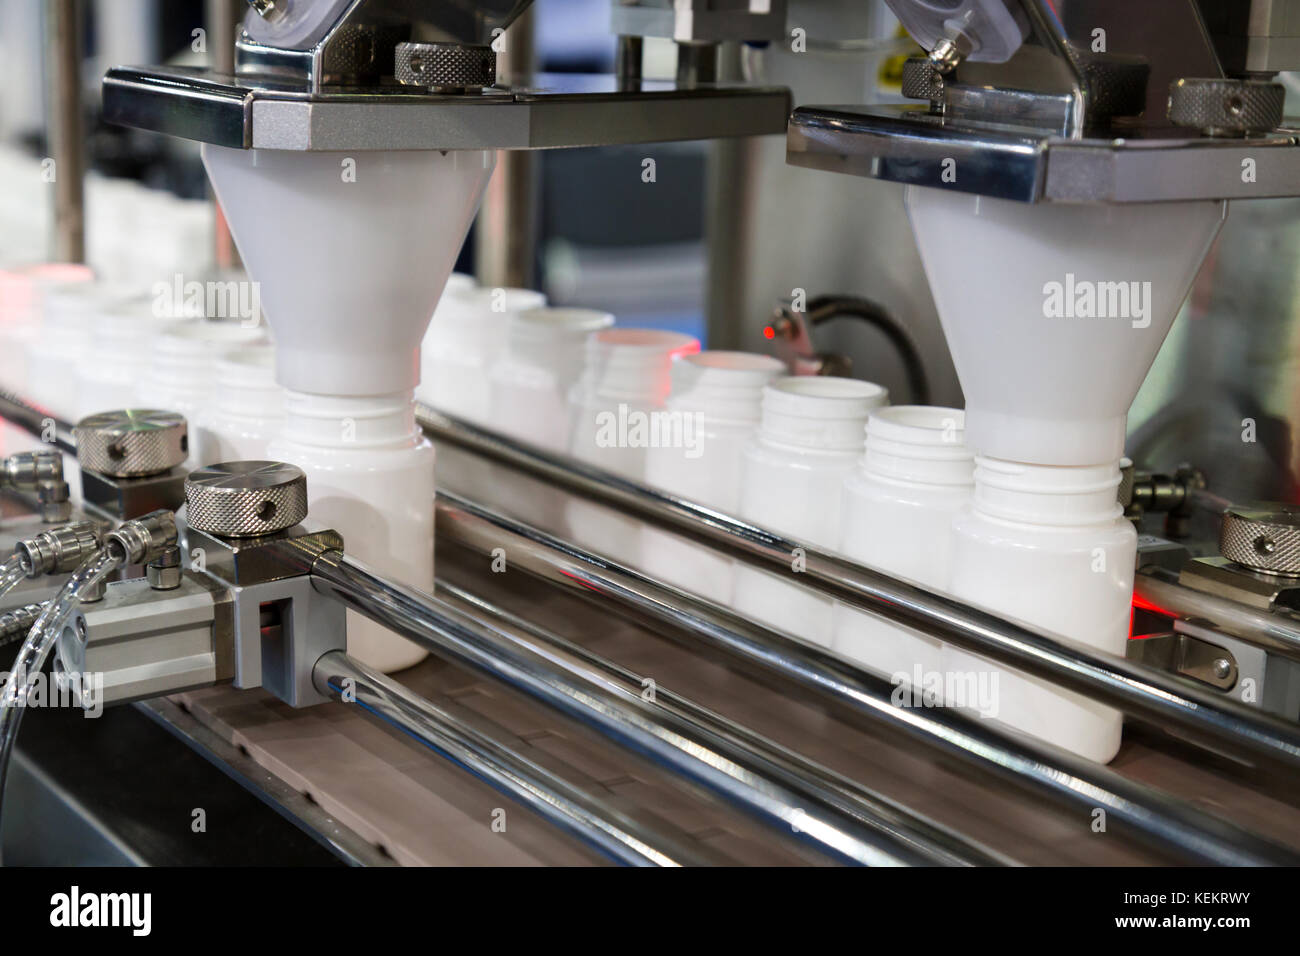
x: 555, y: 111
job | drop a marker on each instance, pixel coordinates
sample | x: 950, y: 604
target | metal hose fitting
x: 59, y: 550
x: 55, y: 500
x: 145, y: 538
x: 28, y: 470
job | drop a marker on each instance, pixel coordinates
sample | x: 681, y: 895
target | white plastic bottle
x: 465, y: 338
x: 615, y: 415
x: 899, y: 504
x: 182, y: 375
x: 1048, y: 546
x: 370, y: 476
x: 811, y: 436
x: 247, y: 409
x: 123, y: 341
x: 543, y: 359
x: 718, y: 396
x: 529, y: 384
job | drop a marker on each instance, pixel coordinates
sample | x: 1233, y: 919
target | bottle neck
x: 918, y: 444
x: 818, y: 414
x: 1049, y: 495
x: 351, y: 421
x: 725, y: 387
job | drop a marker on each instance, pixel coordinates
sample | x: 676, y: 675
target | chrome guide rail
x: 1078, y: 786
x: 567, y: 684
x: 1160, y: 589
x: 1165, y: 701
x: 943, y: 846
x: 600, y: 826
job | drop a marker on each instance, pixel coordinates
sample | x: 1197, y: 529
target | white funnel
x: 1054, y: 312
x: 350, y: 252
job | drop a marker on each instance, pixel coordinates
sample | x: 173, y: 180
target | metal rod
x: 64, y: 125
x: 600, y: 826
x: 1159, y: 589
x: 850, y: 798
x: 628, y: 62
x: 37, y: 422
x: 1079, y: 786
x: 505, y: 231
x: 565, y: 683
x: 1165, y: 701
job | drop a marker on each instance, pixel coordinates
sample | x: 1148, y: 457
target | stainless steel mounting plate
x: 553, y: 111
x: 909, y: 144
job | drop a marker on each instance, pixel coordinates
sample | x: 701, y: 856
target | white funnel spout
x: 350, y: 252
x: 1054, y: 313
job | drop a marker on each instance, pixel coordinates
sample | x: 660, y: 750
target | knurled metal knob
x: 921, y: 81
x: 1226, y: 107
x: 1263, y: 538
x: 131, y: 442
x: 241, y: 499
x: 445, y: 67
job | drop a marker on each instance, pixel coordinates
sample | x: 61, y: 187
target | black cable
x: 827, y: 307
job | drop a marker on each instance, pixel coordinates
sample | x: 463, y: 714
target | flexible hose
x: 32, y: 655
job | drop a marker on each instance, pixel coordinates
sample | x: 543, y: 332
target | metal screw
x: 1222, y: 668
x: 164, y: 571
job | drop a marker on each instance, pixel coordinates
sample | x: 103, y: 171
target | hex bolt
x: 164, y: 571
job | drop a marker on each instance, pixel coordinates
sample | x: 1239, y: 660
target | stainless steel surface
x: 601, y: 826
x: 909, y: 145
x: 65, y: 127
x: 1263, y: 538
x: 1159, y: 589
x: 445, y: 67
x: 813, y: 784
x: 131, y: 442
x: 241, y: 499
x: 1254, y: 589
x: 561, y: 110
x: 334, y: 41
x: 282, y: 626
x: 577, y: 689
x: 1043, y: 771
x: 1140, y: 692
x: 1226, y: 107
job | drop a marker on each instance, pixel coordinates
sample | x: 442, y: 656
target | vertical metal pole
x: 631, y: 54
x: 506, y: 228
x: 697, y: 63
x: 729, y: 225
x: 64, y: 125
x: 222, y: 16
